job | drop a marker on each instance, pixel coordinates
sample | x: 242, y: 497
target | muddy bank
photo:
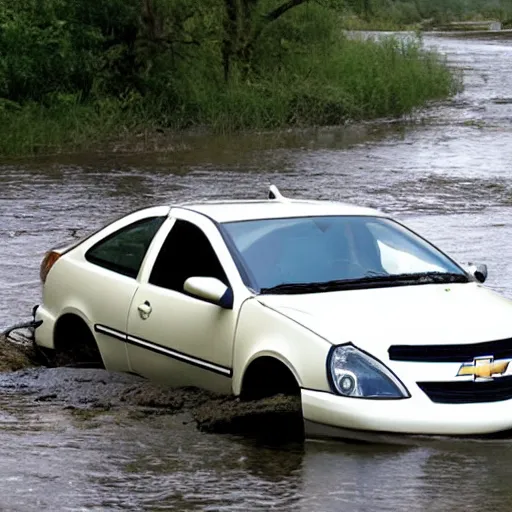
x: 17, y: 355
x: 88, y: 393
x: 213, y: 413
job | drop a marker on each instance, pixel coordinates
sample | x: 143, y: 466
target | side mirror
x: 478, y: 271
x: 211, y: 290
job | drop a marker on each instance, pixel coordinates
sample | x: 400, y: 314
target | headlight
x: 356, y: 374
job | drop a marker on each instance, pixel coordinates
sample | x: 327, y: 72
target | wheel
x: 75, y: 344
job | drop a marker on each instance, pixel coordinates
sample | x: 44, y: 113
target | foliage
x: 72, y: 72
x: 66, y: 123
x: 396, y: 13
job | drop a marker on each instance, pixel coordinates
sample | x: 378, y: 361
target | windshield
x: 281, y: 254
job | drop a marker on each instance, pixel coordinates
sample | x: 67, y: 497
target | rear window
x: 124, y: 250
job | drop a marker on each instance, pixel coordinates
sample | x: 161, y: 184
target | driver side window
x: 186, y: 252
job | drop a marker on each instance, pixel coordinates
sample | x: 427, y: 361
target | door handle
x: 145, y: 310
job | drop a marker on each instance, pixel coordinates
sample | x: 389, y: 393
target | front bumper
x: 327, y: 415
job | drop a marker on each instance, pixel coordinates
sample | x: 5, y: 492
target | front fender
x: 270, y: 348
x: 262, y: 331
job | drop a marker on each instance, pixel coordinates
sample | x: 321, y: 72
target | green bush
x: 74, y: 72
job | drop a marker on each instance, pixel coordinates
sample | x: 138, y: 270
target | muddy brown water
x: 447, y: 174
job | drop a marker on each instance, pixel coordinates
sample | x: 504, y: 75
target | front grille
x: 468, y: 391
x: 500, y: 349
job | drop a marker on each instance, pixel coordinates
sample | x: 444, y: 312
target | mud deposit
x: 15, y: 356
x: 87, y: 393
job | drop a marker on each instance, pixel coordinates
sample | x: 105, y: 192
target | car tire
x: 75, y: 344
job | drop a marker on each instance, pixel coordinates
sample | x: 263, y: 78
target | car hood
x: 374, y: 319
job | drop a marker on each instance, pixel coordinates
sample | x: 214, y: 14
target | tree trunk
x: 230, y: 36
x: 242, y: 29
x: 149, y: 20
x: 247, y: 33
x: 367, y: 9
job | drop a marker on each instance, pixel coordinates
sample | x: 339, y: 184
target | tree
x: 244, y: 23
x: 362, y: 8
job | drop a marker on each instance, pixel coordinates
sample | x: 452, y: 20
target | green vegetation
x: 76, y: 73
x: 403, y: 14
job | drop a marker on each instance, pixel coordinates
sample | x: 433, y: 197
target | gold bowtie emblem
x: 484, y: 368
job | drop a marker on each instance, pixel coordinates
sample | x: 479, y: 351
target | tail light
x: 49, y: 260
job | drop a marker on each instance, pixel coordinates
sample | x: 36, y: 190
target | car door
x: 173, y: 337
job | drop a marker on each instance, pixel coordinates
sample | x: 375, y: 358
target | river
x: 447, y: 174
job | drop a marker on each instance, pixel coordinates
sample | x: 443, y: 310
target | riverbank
x: 356, y: 80
x: 90, y: 393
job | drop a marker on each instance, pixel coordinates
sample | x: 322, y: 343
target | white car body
x: 181, y: 340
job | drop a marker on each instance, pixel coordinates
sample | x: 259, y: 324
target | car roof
x: 275, y: 207
x: 231, y: 211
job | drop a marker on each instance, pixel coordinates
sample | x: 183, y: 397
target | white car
x: 374, y: 327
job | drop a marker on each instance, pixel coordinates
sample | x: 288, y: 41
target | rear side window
x: 124, y: 250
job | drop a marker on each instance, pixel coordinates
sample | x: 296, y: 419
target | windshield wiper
x: 433, y: 277
x: 376, y: 280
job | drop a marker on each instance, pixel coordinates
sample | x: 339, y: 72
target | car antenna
x: 273, y: 193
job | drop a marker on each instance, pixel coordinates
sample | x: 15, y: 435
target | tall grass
x: 64, y: 126
x: 303, y: 72
x: 352, y: 80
